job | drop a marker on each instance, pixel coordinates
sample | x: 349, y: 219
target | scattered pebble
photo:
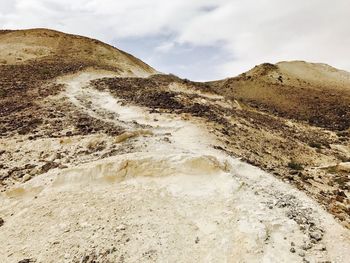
x: 121, y: 227
x: 26, y: 177
x: 317, y: 235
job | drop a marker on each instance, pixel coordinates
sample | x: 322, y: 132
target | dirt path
x: 177, y: 200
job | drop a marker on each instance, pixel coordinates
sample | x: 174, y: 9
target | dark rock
x: 197, y: 240
x: 26, y: 260
x: 339, y: 198
x: 307, y: 246
x: 316, y: 235
x: 48, y: 166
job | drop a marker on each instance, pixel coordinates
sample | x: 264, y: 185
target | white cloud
x: 251, y: 31
x: 165, y: 47
x: 258, y: 31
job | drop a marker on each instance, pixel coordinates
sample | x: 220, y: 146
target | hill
x: 315, y: 93
x: 103, y: 159
x: 20, y: 47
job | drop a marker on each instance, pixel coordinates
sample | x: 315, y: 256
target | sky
x: 199, y: 39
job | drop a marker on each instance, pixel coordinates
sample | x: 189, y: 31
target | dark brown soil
x: 23, y: 88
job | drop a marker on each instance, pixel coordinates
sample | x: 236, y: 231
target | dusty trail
x: 177, y: 200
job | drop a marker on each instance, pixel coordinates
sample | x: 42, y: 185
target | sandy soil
x: 174, y: 199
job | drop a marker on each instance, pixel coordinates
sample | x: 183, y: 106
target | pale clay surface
x: 177, y: 200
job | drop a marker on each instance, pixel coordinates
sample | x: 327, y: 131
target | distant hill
x: 316, y: 93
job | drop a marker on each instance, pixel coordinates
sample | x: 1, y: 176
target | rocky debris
x: 96, y: 256
x: 48, y: 166
x: 340, y: 196
x: 96, y: 145
x: 1, y: 222
x: 316, y: 234
x: 307, y: 245
x: 23, y: 165
x: 87, y: 125
x: 304, y: 218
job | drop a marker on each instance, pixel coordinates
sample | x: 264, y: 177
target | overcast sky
x: 199, y: 39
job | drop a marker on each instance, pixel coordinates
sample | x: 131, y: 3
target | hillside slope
x: 296, y: 125
x: 315, y: 93
x: 20, y: 47
x: 104, y: 160
x: 30, y: 59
